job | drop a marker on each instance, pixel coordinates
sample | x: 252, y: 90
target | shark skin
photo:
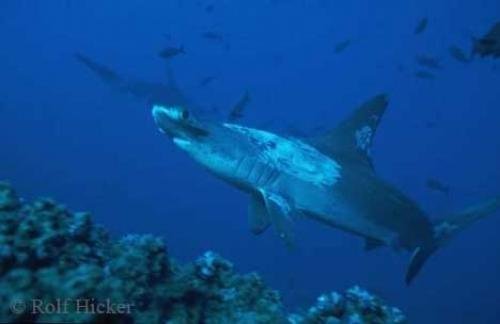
x: 329, y: 179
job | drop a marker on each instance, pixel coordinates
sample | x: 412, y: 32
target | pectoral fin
x: 418, y: 258
x: 280, y: 214
x: 258, y: 217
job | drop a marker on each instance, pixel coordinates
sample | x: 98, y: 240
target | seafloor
x: 57, y: 266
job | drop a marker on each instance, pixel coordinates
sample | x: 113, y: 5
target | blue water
x: 66, y: 134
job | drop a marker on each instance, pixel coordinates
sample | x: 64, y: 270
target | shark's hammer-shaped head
x: 206, y: 142
x: 223, y: 149
x: 177, y: 123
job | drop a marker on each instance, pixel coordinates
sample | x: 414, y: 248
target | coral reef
x: 355, y: 306
x: 57, y: 266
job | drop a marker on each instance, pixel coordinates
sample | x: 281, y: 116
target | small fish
x: 206, y: 80
x: 342, y: 46
x: 425, y: 75
x: 489, y: 44
x: 437, y: 185
x: 170, y: 52
x: 238, y: 109
x: 458, y: 54
x: 429, y: 62
x: 421, y: 26
x: 214, y: 36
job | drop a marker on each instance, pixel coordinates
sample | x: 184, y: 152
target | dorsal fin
x: 238, y: 110
x: 351, y: 140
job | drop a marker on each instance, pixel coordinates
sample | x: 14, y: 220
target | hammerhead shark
x: 152, y: 93
x: 328, y: 178
x: 168, y: 93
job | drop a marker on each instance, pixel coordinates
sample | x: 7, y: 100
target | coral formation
x: 57, y: 266
x: 355, y: 306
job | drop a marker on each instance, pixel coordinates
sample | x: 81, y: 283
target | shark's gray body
x: 329, y: 179
x: 299, y: 180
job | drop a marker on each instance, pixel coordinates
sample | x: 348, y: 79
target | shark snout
x: 168, y: 119
x: 176, y: 121
x: 161, y: 118
x: 173, y: 114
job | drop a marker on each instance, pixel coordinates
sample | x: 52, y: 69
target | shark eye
x: 185, y: 114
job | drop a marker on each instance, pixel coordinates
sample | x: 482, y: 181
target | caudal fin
x: 446, y: 229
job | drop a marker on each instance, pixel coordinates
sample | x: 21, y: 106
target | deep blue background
x: 65, y: 134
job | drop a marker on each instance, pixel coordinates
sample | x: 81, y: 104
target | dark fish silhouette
x: 458, y: 54
x: 216, y: 38
x: 342, y: 46
x: 421, y: 26
x: 237, y: 112
x: 102, y: 71
x: 170, y: 52
x: 152, y: 93
x: 436, y: 185
x: 425, y: 75
x: 429, y: 62
x: 489, y: 44
x: 213, y: 36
